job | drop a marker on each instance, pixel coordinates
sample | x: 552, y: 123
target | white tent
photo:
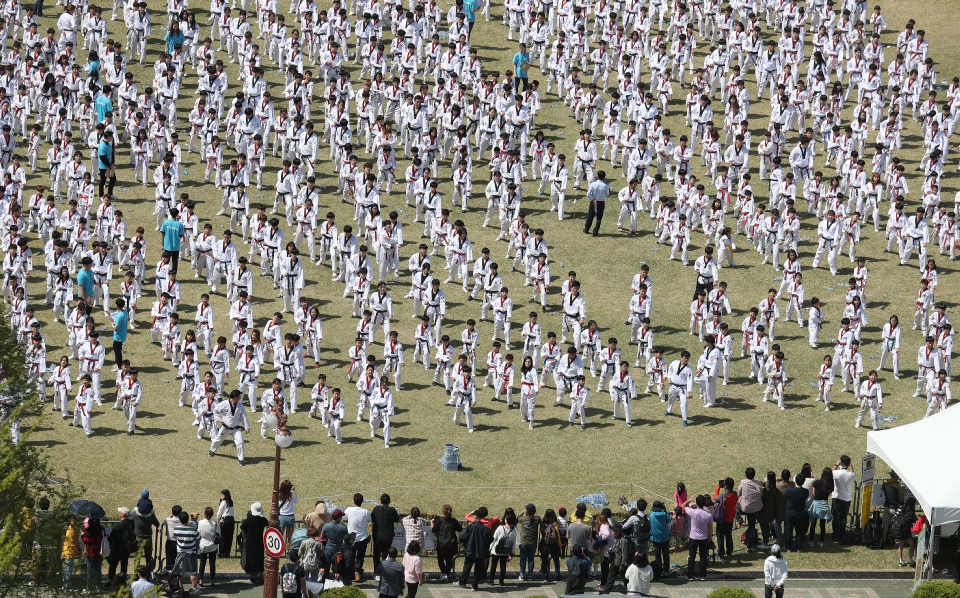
x: 923, y: 454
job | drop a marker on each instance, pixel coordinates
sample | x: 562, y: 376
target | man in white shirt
x: 358, y: 520
x: 843, y: 480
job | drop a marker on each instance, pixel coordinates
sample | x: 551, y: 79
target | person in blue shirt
x: 174, y: 36
x: 104, y: 104
x: 521, y: 57
x: 470, y: 9
x: 172, y: 231
x: 121, y: 321
x: 85, y: 283
x: 105, y: 156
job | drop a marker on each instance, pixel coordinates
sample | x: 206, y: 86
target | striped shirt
x: 188, y: 538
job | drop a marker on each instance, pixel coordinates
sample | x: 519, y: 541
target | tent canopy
x: 922, y: 453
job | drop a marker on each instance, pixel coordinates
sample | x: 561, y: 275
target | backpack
x: 310, y: 560
x: 641, y: 531
x: 288, y: 580
x: 720, y: 509
x: 900, y: 525
x: 445, y: 535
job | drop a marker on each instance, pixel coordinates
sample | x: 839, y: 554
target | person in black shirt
x: 293, y: 578
x: 794, y: 521
x: 384, y: 519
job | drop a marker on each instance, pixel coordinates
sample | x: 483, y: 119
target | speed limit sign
x: 273, y: 542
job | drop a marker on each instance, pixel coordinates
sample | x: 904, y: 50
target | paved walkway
x: 670, y: 589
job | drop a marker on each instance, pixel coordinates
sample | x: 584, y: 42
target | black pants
x: 118, y: 352
x: 524, y: 83
x: 412, y: 589
x: 446, y: 558
x: 226, y: 532
x: 596, y: 211
x: 752, y: 530
x: 702, y: 547
x: 604, y: 570
x: 174, y: 261
x: 794, y: 525
x: 661, y: 552
x: 550, y: 552
x: 38, y: 8
x: 612, y: 577
x: 841, y: 508
x: 380, y: 548
x: 103, y: 179
x: 212, y: 556
x: 117, y: 559
x: 498, y: 560
x: 360, y: 553
x: 144, y: 553
x: 725, y: 539
x: 170, y: 552
x: 479, y: 567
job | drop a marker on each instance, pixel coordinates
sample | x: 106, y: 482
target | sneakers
x: 903, y: 563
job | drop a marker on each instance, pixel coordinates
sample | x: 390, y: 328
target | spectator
x: 620, y: 557
x: 551, y: 544
x: 901, y: 530
x: 774, y: 573
x: 413, y: 569
x: 725, y: 494
x: 251, y: 555
x: 92, y: 538
x: 188, y: 545
x: 143, y: 588
x: 446, y: 530
x: 121, y: 539
x: 358, y: 524
x: 391, y: 576
x: 660, y: 527
x: 701, y: 530
x: 794, y: 522
x: 414, y: 527
x: 171, y: 522
x: 476, y: 539
x: 843, y: 479
x: 70, y: 551
x: 892, y: 491
x: 333, y: 535
x: 144, y: 520
x: 529, y: 527
x: 820, y: 506
x: 288, y: 514
x: 579, y: 534
x: 600, y: 547
x: 639, y: 576
x: 770, y: 498
x: 638, y: 526
x: 505, y: 539
x: 384, y: 519
x: 210, y: 537
x: 316, y: 519
x: 750, y: 504
x: 293, y: 579
x: 227, y: 522
x: 562, y: 523
x: 578, y: 567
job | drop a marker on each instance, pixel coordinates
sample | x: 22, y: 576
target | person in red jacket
x: 725, y: 492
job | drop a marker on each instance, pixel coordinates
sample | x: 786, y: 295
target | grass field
x: 507, y: 465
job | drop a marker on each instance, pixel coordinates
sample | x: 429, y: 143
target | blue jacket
x: 660, y: 522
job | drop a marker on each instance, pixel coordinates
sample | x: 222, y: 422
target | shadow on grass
x: 44, y: 443
x: 407, y: 441
x: 707, y: 420
x: 152, y: 431
x: 737, y: 404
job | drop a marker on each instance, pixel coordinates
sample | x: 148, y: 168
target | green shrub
x: 938, y: 589
x: 345, y: 592
x: 731, y: 593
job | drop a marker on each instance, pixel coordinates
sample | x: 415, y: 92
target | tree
x: 34, y: 497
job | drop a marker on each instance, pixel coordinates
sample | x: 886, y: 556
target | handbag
x: 217, y: 539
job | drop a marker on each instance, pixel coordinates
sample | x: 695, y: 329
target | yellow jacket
x: 71, y: 543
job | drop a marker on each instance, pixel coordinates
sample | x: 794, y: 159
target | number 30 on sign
x: 273, y: 542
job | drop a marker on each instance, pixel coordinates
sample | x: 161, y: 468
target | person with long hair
x: 225, y: 518
x: 604, y: 536
x: 208, y: 530
x: 287, y: 500
x: 769, y: 497
x: 552, y: 544
x: 901, y: 530
x: 819, y: 509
